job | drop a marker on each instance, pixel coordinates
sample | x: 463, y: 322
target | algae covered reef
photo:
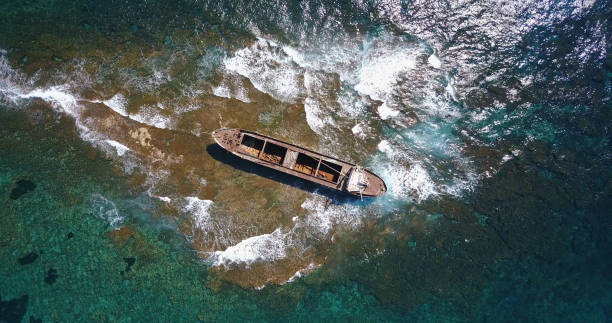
x: 490, y: 124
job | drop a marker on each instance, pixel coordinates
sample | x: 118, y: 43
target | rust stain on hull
x: 303, y: 163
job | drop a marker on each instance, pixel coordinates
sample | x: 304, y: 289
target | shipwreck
x: 300, y: 162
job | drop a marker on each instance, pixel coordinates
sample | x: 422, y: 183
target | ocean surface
x: 490, y: 122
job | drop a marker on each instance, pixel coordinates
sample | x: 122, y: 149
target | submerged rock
x: 13, y: 310
x: 129, y: 262
x: 51, y: 276
x: 28, y: 259
x: 121, y: 237
x: 22, y: 186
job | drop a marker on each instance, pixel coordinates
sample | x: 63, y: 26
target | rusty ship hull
x: 300, y: 162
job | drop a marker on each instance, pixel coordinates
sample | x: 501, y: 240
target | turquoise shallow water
x: 490, y: 124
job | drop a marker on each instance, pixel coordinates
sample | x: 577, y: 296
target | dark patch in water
x: 51, y: 276
x: 35, y: 320
x: 70, y: 235
x: 28, y: 259
x: 130, y: 261
x: 13, y: 310
x: 22, y: 187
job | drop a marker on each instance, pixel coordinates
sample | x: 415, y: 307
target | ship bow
x: 228, y: 138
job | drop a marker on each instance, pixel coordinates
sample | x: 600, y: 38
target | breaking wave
x: 106, y: 210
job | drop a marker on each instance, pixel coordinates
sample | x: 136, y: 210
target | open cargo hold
x: 300, y: 162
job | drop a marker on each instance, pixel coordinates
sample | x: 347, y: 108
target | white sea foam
x: 266, y: 247
x: 289, y: 74
x: 404, y: 182
x: 414, y: 176
x: 164, y: 199
x: 269, y: 69
x: 313, y: 115
x: 385, y: 147
x: 232, y: 86
x: 381, y: 68
x: 434, y: 61
x: 222, y: 91
x: 323, y: 215
x: 199, y: 211
x: 241, y: 94
x: 12, y: 82
x: 385, y: 112
x: 117, y: 103
x: 63, y: 100
x: 58, y: 96
x: 513, y: 153
x: 317, y: 115
x: 296, y: 56
x: 149, y: 115
x: 437, y: 107
x: 413, y: 181
x: 152, y: 116
x: 105, y: 209
x: 337, y: 55
x: 157, y: 73
x: 187, y: 108
x: 352, y: 104
x: 450, y: 89
x: 359, y: 130
x: 120, y: 148
x: 301, y: 273
x: 316, y: 118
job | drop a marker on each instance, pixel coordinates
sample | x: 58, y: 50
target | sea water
x: 488, y: 121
